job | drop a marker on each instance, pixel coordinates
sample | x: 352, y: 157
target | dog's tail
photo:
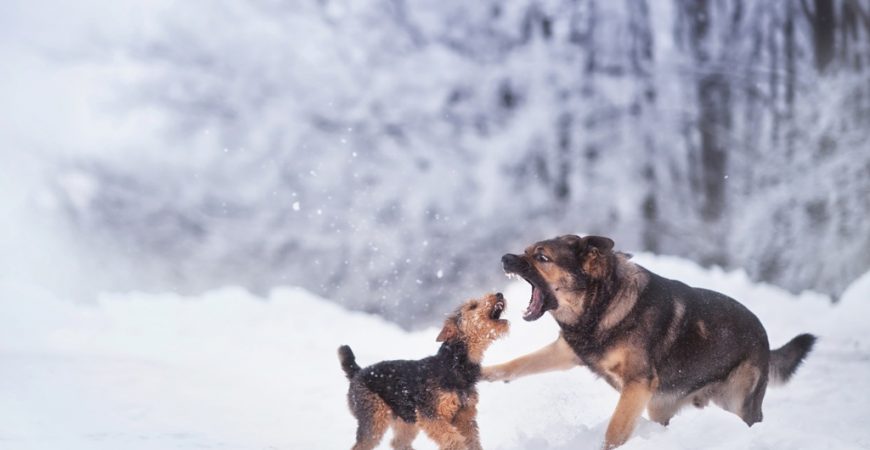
x: 348, y: 361
x: 785, y: 360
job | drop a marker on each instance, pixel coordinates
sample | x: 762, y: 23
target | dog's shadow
x: 582, y: 437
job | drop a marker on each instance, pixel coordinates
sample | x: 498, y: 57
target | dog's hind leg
x: 372, y: 414
x: 751, y: 411
x: 662, y: 407
x: 369, y: 433
x: 404, y: 434
x: 743, y: 392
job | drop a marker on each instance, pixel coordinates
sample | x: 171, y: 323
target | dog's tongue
x: 536, y: 305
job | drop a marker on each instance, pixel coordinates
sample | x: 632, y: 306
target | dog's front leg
x: 632, y: 401
x: 555, y: 356
x: 466, y: 422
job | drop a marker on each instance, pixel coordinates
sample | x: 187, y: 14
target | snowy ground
x: 228, y: 370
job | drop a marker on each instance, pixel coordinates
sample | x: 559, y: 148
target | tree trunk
x: 823, y: 21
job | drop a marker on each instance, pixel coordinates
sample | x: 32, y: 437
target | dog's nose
x: 510, y: 261
x: 499, y: 296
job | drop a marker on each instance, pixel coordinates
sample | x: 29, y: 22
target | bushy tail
x: 785, y: 360
x: 348, y: 361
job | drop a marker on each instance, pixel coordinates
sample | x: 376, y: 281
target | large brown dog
x: 659, y: 342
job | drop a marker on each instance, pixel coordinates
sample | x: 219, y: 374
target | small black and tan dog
x: 436, y: 394
x: 659, y: 342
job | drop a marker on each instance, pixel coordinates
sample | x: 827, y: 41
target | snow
x: 231, y: 370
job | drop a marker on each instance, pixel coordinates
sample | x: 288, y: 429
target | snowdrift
x: 232, y: 371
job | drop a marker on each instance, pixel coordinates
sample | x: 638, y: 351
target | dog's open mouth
x: 539, y: 303
x: 497, y: 309
x: 536, y: 304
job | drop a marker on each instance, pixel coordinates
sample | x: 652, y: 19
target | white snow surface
x: 229, y: 370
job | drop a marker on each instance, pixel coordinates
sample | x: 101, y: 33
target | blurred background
x: 385, y: 153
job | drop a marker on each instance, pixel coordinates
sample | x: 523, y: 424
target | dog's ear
x: 595, y: 259
x: 570, y: 239
x: 573, y: 242
x: 601, y: 243
x: 450, y: 330
x: 588, y: 244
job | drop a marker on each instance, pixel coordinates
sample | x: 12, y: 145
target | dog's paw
x: 493, y: 374
x: 489, y: 374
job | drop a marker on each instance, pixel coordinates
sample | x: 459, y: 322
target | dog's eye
x: 542, y: 258
x: 472, y: 306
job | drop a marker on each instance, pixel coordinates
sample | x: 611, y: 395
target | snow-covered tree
x: 385, y: 153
